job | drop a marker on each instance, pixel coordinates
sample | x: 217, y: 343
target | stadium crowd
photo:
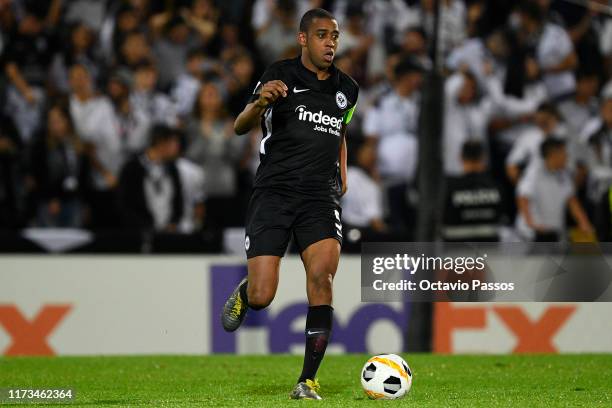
x: 119, y: 113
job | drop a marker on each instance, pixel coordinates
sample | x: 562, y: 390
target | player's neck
x: 322, y: 74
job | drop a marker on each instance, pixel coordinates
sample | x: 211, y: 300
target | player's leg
x: 256, y: 291
x: 318, y: 234
x: 321, y: 262
x: 268, y: 227
x: 262, y: 282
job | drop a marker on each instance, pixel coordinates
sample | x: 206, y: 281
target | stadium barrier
x: 112, y: 305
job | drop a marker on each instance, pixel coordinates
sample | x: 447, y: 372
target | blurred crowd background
x: 118, y: 114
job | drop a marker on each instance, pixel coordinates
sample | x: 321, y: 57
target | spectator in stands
x: 133, y: 51
x: 212, y: 144
x: 89, y: 13
x: 362, y: 205
x: 241, y: 83
x: 393, y: 125
x: 583, y: 105
x: 605, y: 45
x: 118, y: 24
x: 95, y: 122
x: 452, y: 22
x: 144, y: 97
x: 204, y: 18
x: 414, y: 44
x: 277, y: 37
x: 131, y: 123
x: 60, y: 171
x: 93, y: 116
x: 150, y: 191
x: 481, y: 56
x: 523, y: 88
x: 526, y: 149
x: 356, y: 42
x: 171, y: 47
x: 472, y: 204
x: 544, y: 194
x: 185, y: 90
x: 80, y: 50
x: 467, y: 112
x: 552, y: 48
x: 193, y: 187
x: 25, y: 62
x: 597, y: 141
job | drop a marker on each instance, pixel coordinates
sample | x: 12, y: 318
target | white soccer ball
x: 386, y: 376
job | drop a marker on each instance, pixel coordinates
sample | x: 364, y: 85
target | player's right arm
x: 250, y: 116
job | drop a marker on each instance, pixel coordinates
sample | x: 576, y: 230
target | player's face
x: 322, y: 41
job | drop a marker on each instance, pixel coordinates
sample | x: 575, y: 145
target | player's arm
x: 342, y: 160
x: 251, y: 114
x: 348, y: 116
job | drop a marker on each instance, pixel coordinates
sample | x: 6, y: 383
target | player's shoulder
x: 349, y: 86
x: 282, y: 65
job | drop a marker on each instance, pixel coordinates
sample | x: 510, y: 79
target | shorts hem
x: 335, y: 236
x: 265, y: 253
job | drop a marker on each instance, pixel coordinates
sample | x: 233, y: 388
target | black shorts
x: 273, y: 216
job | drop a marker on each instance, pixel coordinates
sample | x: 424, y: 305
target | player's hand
x: 270, y: 92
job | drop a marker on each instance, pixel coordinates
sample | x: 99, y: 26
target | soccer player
x: 304, y: 105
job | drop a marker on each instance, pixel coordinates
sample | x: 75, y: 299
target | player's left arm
x: 342, y: 161
x: 343, y: 150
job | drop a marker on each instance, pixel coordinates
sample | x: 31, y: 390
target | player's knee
x: 322, y: 282
x: 259, y: 298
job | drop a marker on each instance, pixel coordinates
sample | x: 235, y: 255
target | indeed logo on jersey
x: 320, y: 119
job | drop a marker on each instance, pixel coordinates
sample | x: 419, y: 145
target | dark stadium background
x: 143, y: 63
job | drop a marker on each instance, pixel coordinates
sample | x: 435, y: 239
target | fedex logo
x: 30, y: 336
x: 533, y: 335
x: 282, y: 332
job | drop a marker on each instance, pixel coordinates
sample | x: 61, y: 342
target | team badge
x: 341, y: 100
x: 247, y: 243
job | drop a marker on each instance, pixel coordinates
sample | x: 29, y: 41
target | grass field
x: 265, y: 381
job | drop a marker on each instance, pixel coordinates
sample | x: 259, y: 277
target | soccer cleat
x: 306, y: 390
x: 235, y: 310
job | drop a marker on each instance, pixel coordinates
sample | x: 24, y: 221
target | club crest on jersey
x: 341, y: 100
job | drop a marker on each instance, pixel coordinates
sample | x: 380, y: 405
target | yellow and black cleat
x: 306, y: 390
x: 235, y: 310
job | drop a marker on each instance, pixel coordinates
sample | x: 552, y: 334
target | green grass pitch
x: 265, y: 381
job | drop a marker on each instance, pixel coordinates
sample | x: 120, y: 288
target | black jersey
x: 300, y: 146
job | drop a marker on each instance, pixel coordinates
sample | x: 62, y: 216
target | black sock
x: 318, y: 330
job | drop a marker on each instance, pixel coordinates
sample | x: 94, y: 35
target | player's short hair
x: 472, y: 151
x: 550, y: 145
x: 310, y: 15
